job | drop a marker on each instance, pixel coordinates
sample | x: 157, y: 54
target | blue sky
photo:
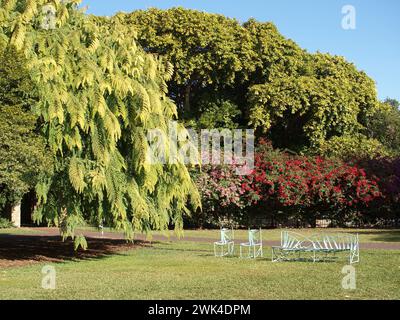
x: 374, y: 46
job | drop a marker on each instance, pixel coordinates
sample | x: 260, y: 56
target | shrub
x: 387, y: 172
x: 5, y: 223
x: 223, y: 197
x: 349, y: 148
x: 219, y: 114
x: 298, y: 186
x: 316, y: 185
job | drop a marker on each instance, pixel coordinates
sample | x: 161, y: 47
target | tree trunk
x: 16, y: 215
x: 186, y: 105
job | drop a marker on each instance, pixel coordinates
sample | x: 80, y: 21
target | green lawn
x: 23, y: 231
x: 189, y: 271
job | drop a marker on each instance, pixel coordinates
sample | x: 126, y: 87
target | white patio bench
x: 294, y: 244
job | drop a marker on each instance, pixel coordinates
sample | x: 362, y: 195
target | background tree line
x: 229, y: 74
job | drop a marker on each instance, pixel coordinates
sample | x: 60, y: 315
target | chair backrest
x: 255, y: 236
x: 227, y: 235
x: 339, y: 241
x: 293, y: 240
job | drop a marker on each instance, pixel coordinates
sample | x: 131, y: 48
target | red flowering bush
x: 386, y: 171
x: 309, y: 186
x: 310, y: 183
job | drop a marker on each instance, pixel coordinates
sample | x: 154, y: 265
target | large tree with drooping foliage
x: 99, y: 94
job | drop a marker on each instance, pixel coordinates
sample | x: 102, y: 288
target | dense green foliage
x: 298, y: 100
x: 208, y: 52
x: 380, y: 137
x: 23, y: 156
x: 5, y: 224
x: 326, y: 98
x: 99, y: 95
x: 352, y: 148
x: 384, y: 125
x: 219, y: 114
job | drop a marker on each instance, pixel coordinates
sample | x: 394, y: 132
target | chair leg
x: 354, y: 256
x: 215, y: 254
x: 219, y: 250
x: 215, y: 250
x: 277, y: 255
x: 231, y: 248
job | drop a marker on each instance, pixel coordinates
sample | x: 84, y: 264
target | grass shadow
x: 20, y: 250
x: 309, y: 260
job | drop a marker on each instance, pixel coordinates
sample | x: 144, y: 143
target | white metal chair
x: 254, y: 248
x: 226, y: 246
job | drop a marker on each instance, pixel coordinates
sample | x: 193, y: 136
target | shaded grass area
x: 20, y: 250
x: 190, y: 271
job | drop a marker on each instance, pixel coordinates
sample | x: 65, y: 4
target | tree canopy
x: 99, y: 94
x: 206, y: 50
x: 330, y: 98
x: 297, y: 99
